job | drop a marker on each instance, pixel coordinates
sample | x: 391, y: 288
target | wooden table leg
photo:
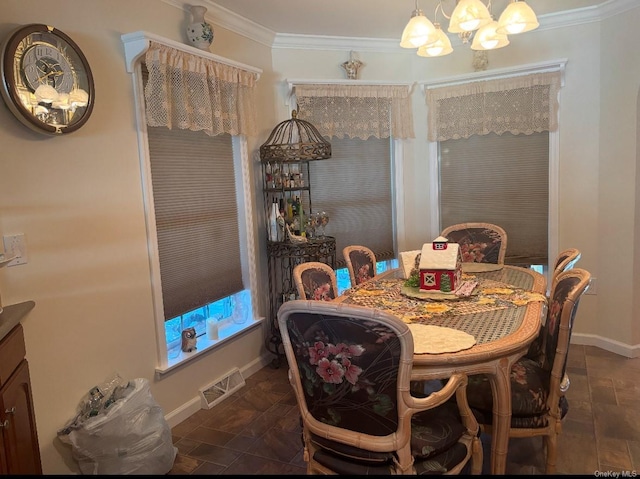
x: 501, y: 389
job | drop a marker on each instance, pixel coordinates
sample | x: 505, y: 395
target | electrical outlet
x: 15, y: 246
x: 592, y: 289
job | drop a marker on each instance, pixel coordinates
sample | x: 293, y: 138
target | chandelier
x: 468, y: 16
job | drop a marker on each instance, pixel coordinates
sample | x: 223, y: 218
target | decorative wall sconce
x: 352, y: 66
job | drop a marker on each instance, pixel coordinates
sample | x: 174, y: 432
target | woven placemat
x: 429, y: 339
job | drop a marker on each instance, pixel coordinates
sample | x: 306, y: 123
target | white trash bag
x: 120, y: 429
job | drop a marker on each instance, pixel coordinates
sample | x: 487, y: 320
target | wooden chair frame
x: 489, y: 226
x: 399, y: 441
x: 346, y: 252
x: 299, y: 269
x: 565, y: 260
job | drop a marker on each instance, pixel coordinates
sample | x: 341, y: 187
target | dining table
x: 501, y: 317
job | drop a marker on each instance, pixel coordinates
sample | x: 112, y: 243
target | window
x: 354, y: 187
x: 496, y: 138
x: 500, y: 179
x: 193, y: 177
x: 363, y: 123
x: 194, y: 113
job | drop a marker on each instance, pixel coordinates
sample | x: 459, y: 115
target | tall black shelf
x: 284, y: 255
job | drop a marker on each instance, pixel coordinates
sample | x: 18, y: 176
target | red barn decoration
x: 440, y: 266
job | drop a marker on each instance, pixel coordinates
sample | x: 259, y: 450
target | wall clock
x: 46, y: 80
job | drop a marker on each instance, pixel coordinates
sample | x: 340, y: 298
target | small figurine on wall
x: 352, y: 67
x: 189, y: 340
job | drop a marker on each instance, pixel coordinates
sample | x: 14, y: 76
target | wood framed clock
x: 46, y: 80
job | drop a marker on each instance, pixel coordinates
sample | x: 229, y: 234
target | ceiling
x: 384, y: 19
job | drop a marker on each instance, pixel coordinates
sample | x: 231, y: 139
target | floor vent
x: 221, y: 388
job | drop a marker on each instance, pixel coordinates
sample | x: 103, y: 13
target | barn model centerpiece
x: 438, y: 274
x: 440, y: 266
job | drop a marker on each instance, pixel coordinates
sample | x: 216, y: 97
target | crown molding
x: 229, y: 20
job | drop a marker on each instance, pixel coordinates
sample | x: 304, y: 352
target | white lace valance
x: 357, y: 111
x: 186, y: 91
x: 520, y: 104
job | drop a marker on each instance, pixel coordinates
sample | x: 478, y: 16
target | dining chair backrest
x: 361, y: 263
x: 479, y: 242
x: 563, y: 305
x: 350, y: 368
x: 565, y: 260
x: 315, y: 281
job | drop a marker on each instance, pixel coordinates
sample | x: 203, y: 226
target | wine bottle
x: 273, y: 221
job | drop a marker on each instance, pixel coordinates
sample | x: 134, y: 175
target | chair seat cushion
x: 351, y: 453
x: 434, y: 444
x: 437, y: 464
x: 435, y: 430
x: 528, y: 390
x: 529, y: 393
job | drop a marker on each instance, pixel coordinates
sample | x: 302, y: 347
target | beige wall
x: 78, y: 200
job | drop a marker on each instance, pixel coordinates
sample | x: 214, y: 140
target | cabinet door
x: 19, y: 435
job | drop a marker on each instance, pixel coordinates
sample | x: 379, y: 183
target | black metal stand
x: 283, y: 257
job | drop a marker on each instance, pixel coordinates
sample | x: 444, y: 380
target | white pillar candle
x: 212, y: 328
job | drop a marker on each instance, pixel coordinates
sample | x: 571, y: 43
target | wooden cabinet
x: 19, y: 449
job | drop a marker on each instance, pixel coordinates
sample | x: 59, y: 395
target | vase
x: 199, y: 32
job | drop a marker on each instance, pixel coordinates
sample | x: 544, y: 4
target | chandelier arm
x: 439, y: 5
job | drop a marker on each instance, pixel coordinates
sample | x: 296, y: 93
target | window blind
x: 500, y: 179
x: 354, y: 187
x: 196, y: 217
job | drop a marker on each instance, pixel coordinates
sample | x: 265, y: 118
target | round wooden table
x: 503, y: 331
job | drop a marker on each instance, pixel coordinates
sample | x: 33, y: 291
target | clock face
x: 47, y: 82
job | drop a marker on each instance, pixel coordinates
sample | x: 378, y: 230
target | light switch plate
x: 15, y: 246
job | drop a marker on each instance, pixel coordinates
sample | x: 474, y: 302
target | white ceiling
x: 384, y: 19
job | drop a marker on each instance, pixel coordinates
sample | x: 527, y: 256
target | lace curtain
x: 189, y: 92
x: 520, y: 104
x: 357, y: 111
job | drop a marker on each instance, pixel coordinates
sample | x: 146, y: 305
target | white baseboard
x: 192, y: 406
x: 607, y: 344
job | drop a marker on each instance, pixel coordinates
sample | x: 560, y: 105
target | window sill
x: 227, y: 331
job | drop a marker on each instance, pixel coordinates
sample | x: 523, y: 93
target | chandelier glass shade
x: 442, y: 46
x: 419, y: 31
x: 518, y: 17
x: 469, y: 17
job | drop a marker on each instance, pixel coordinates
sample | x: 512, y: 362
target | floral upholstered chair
x: 538, y: 386
x: 479, y: 242
x: 565, y: 260
x: 350, y: 368
x: 316, y: 281
x: 361, y: 263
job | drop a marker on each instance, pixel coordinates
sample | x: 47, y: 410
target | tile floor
x: 256, y: 430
